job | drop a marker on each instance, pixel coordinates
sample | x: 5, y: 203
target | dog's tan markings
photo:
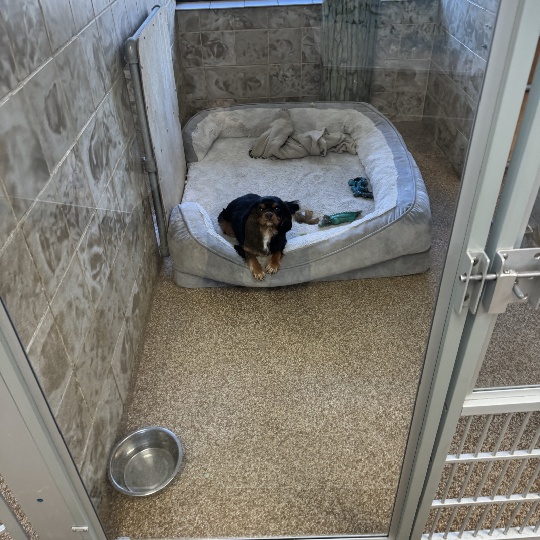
x: 255, y: 266
x: 274, y: 263
x: 226, y: 227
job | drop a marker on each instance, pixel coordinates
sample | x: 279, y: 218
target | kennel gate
x: 484, y: 478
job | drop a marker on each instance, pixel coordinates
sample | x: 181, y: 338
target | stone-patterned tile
x: 251, y: 47
x: 123, y: 271
x: 8, y: 221
x: 71, y: 181
x: 409, y: 104
x: 187, y: 21
x: 416, y: 41
x: 218, y: 48
x: 112, y: 49
x: 100, y: 5
x: 112, y: 225
x: 249, y: 18
x: 123, y: 361
x: 73, y: 309
x: 221, y: 82
x: 99, y: 148
x: 311, y: 79
x: 124, y: 185
x: 74, y: 80
x: 93, y: 259
x: 98, y: 348
x: 490, y: 5
x: 77, y: 219
x: 385, y: 102
x: 284, y: 46
x: 122, y: 108
x: 94, y: 56
x: 476, y: 31
x: 194, y: 83
x: 48, y: 240
x: 311, y: 45
x: 50, y: 361
x: 285, y: 80
x: 190, y: 49
x: 8, y: 69
x: 21, y: 154
x: 215, y: 19
x: 101, y: 438
x: 27, y: 34
x: 121, y: 22
x: 312, y: 15
x: 383, y: 80
x: 21, y: 288
x: 134, y: 319
x: 286, y: 17
x: 59, y: 22
x: 83, y: 13
x: 253, y: 81
x: 407, y: 12
x: 55, y: 126
x: 74, y: 420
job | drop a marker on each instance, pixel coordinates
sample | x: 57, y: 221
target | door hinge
x: 514, y: 277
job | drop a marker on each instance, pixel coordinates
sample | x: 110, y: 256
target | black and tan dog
x: 260, y: 225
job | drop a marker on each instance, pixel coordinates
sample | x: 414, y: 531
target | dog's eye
x: 277, y: 209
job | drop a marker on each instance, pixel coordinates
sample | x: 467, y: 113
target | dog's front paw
x: 274, y: 263
x: 272, y: 267
x: 259, y: 275
x: 256, y: 269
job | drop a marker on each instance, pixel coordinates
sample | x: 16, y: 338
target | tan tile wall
x: 78, y: 255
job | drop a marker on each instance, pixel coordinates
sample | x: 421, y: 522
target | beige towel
x: 280, y: 141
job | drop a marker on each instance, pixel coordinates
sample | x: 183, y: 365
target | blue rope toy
x: 360, y: 187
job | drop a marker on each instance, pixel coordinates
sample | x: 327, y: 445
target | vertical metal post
x: 132, y: 58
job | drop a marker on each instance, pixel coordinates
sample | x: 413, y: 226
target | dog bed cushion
x: 391, y: 237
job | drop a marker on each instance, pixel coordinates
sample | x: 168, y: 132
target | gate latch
x: 514, y: 277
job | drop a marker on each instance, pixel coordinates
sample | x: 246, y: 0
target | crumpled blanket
x: 280, y: 141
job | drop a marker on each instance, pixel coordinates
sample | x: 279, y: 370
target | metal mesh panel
x: 490, y: 484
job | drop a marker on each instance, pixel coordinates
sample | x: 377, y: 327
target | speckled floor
x: 293, y: 404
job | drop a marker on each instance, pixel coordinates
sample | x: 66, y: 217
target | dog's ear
x: 293, y: 206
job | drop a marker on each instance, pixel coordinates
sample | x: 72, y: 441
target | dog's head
x: 272, y: 211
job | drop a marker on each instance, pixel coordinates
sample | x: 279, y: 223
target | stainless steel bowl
x: 145, y: 461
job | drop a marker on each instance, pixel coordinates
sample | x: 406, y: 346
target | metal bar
x: 464, y: 435
x: 465, y: 521
x: 498, y: 534
x: 479, y: 501
x: 513, y: 517
x: 499, y: 456
x: 487, y: 424
x: 133, y: 61
x: 517, y: 477
x: 532, y: 480
x: 435, y: 522
x: 521, y: 431
x: 497, y: 518
x: 502, y: 401
x: 531, y: 511
x: 450, y: 522
x: 466, y: 481
x: 449, y: 481
x: 481, y: 520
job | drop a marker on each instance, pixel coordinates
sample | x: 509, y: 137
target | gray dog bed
x: 392, y: 236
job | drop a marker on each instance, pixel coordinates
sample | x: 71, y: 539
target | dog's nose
x: 269, y: 215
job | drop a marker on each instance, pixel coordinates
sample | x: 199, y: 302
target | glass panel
x: 293, y: 403
x: 512, y: 355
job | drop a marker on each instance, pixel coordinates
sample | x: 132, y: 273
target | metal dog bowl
x: 145, y: 461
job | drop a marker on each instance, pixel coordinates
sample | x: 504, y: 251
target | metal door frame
x: 34, y: 458
x: 464, y: 337
x: 446, y: 374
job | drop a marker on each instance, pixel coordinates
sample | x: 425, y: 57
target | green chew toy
x: 337, y: 219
